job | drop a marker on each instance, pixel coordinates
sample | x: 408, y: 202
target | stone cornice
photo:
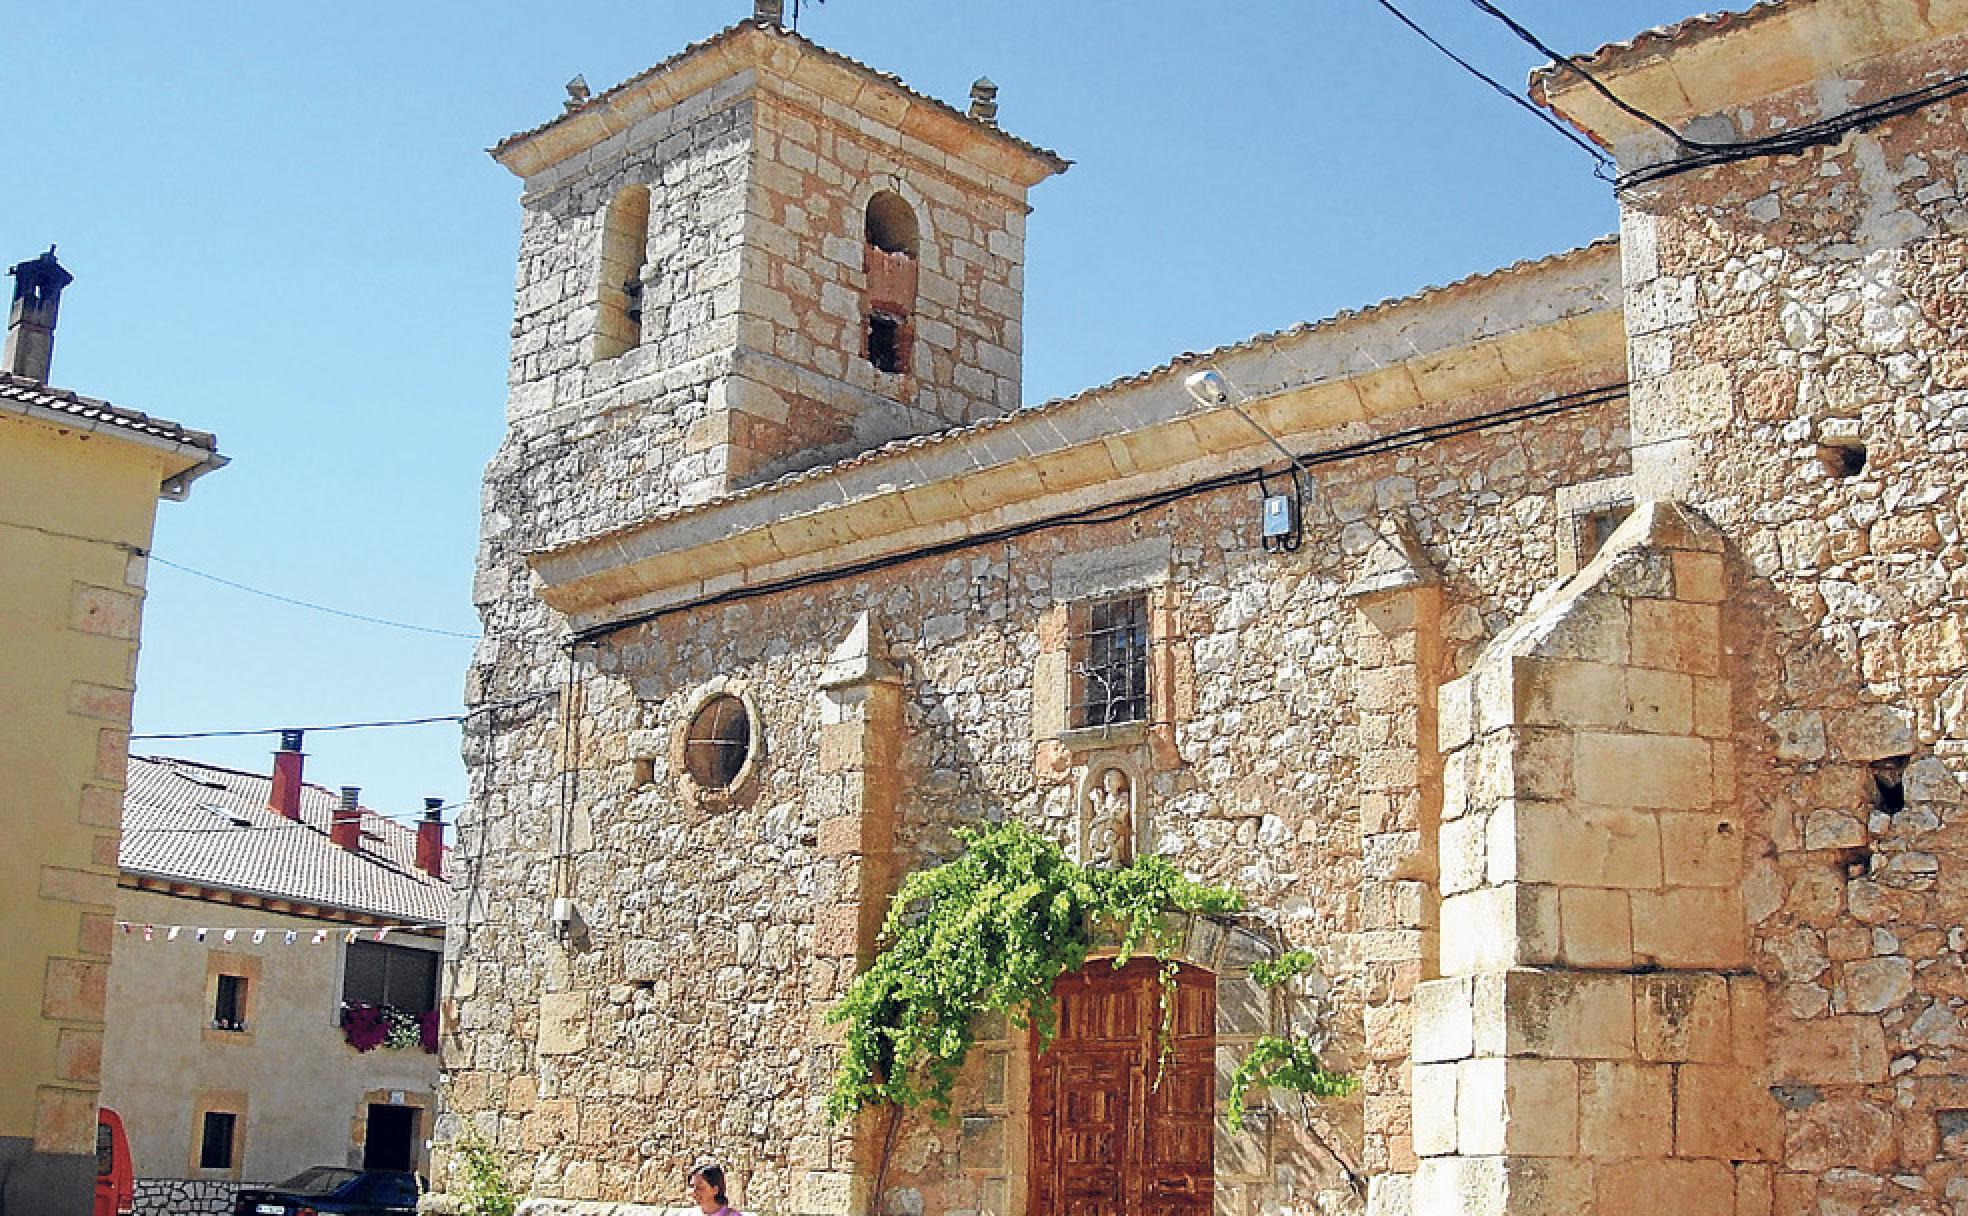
x: 790, y: 65
x: 1715, y: 64
x: 1339, y: 382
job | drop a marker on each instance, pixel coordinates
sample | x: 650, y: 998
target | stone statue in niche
x: 1110, y: 819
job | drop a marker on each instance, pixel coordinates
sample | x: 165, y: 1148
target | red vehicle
x: 116, y: 1179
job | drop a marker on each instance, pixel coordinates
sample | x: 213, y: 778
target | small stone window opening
x: 887, y: 345
x: 215, y: 1143
x: 889, y: 299
x: 645, y: 772
x: 1888, y: 792
x: 624, y: 254
x: 1842, y: 458
x: 1597, y: 526
x: 718, y: 743
x: 229, y: 1007
x: 891, y: 225
x: 1110, y: 662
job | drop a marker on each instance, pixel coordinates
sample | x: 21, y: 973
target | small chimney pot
x: 984, y: 100
x: 769, y: 12
x: 285, y: 799
x: 430, y: 838
x: 346, y: 830
x: 38, y: 286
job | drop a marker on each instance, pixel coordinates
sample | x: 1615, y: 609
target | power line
x: 274, y: 730
x: 1817, y: 134
x: 376, y: 725
x: 1603, y: 162
x: 285, y: 825
x: 1124, y: 509
x: 311, y: 606
x: 1517, y: 28
x: 1701, y: 154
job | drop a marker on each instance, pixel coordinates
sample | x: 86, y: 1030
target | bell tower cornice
x: 782, y: 62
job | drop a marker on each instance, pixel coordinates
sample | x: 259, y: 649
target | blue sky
x: 284, y: 229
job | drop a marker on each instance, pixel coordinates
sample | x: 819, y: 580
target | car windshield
x: 320, y: 1180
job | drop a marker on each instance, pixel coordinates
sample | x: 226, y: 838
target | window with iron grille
x: 1110, y: 662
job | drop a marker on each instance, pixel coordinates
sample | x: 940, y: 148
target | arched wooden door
x: 1106, y: 1139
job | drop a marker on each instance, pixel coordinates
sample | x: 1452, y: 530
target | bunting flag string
x: 259, y: 936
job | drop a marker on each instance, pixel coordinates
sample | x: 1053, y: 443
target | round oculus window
x: 718, y: 742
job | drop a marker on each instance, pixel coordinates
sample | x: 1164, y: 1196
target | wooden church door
x: 1106, y: 1140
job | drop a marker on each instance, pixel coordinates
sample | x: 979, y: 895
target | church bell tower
x: 756, y: 257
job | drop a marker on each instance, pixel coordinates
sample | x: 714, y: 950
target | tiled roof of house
x: 195, y: 823
x: 885, y: 79
x: 90, y: 414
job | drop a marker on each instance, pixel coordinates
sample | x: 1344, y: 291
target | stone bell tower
x: 756, y: 257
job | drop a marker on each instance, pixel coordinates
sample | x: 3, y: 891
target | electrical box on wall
x: 1280, y: 522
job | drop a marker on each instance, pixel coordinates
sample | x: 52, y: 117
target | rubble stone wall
x: 1785, y: 313
x: 681, y: 1014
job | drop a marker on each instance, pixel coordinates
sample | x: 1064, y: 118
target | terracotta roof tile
x: 88, y: 412
x: 1616, y: 55
x: 198, y: 823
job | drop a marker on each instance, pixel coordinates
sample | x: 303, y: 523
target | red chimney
x: 346, y: 830
x: 286, y: 796
x: 430, y: 839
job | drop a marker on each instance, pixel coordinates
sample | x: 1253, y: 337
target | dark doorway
x: 1107, y: 1140
x: 391, y: 1143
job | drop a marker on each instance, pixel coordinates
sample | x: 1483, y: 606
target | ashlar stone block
x: 1563, y: 693
x: 563, y: 1023
x: 1665, y: 771
x: 1499, y: 927
x: 1444, y: 1021
x: 1720, y: 1112
x: 1684, y: 1188
x: 1596, y: 927
x: 1520, y: 1107
x: 1434, y: 1119
x: 1847, y: 1050
x: 1699, y: 850
x: 1626, y: 1110
x: 1689, y: 927
x: 1581, y: 846
x: 1683, y: 1018
x: 1571, y: 1015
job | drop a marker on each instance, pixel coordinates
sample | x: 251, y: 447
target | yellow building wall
x: 76, y: 512
x: 306, y: 1092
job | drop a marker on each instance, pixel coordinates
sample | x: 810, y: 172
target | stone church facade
x: 1598, y: 720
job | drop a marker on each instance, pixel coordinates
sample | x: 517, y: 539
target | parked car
x: 116, y: 1178
x: 324, y: 1189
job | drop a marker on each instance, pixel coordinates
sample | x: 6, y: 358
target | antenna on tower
x: 796, y: 13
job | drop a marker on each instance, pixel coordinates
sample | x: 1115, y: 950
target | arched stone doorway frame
x: 996, y: 1137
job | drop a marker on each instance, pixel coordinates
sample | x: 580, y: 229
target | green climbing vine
x: 1291, y: 1062
x: 990, y: 931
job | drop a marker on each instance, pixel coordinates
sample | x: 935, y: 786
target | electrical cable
x: 1817, y: 134
x: 1701, y: 154
x: 377, y: 725
x: 1603, y: 163
x: 1617, y: 101
x: 285, y: 825
x: 300, y: 603
x: 1122, y: 510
